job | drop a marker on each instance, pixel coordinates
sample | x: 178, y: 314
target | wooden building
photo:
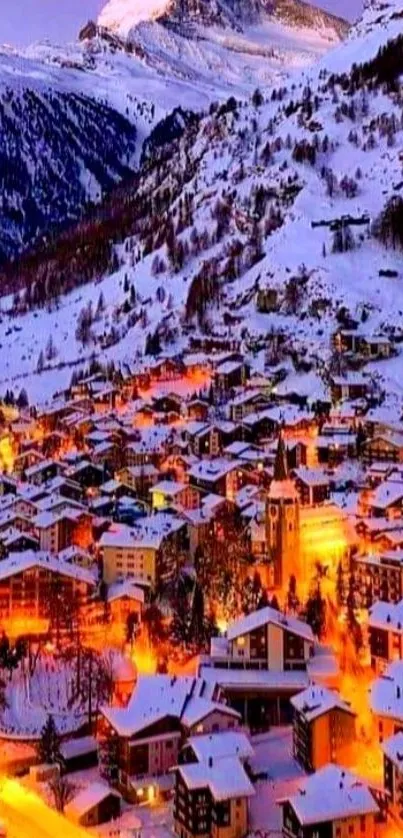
x: 323, y: 728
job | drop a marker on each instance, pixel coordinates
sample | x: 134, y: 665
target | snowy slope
x: 246, y: 160
x: 82, y: 112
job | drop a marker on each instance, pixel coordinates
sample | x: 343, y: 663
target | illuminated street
x: 27, y: 816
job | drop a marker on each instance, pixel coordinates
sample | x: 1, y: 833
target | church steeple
x: 280, y: 465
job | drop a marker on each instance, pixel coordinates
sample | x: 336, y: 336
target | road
x: 27, y: 816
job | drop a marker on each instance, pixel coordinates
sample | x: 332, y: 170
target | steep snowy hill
x: 239, y: 43
x: 73, y: 120
x: 122, y: 15
x: 270, y: 198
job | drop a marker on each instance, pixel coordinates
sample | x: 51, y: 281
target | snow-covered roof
x: 125, y: 588
x: 330, y: 794
x: 393, y: 749
x: 213, y: 470
x: 92, y: 795
x: 149, y: 532
x: 20, y: 562
x: 316, y: 700
x: 263, y: 617
x: 168, y: 487
x: 386, y: 693
x: 158, y: 696
x: 261, y: 680
x: 387, y: 615
x: 387, y: 494
x: 226, y: 743
x: 311, y: 476
x: 77, y: 747
x: 226, y: 778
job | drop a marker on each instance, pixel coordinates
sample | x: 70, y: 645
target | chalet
x: 151, y: 446
x: 261, y: 662
x: 26, y: 459
x: 330, y: 803
x: 245, y: 403
x: 125, y: 599
x: 169, y: 403
x: 171, y: 493
x: 79, y: 754
x: 28, y: 579
x: 212, y: 798
x: 138, y: 479
x: 42, y: 471
x: 147, y: 553
x: 108, y: 455
x: 312, y: 484
x: 268, y: 640
x: 350, y: 387
x: 95, y: 804
x: 357, y: 342
x: 267, y: 300
x: 379, y: 577
x: 162, y: 713
x: 393, y: 774
x: 384, y: 447
x: 333, y: 447
x: 58, y: 529
x: 176, y: 466
x: 87, y: 474
x: 386, y: 700
x: 323, y: 728
x: 166, y: 369
x: 231, y: 374
x: 259, y: 426
x: 203, y: 440
x: 387, y: 500
x: 226, y: 743
x: 218, y: 476
x: 197, y: 410
x: 385, y: 629
x: 14, y: 541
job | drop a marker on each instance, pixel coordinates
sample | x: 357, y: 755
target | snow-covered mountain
x: 121, y: 16
x: 73, y: 119
x: 273, y: 196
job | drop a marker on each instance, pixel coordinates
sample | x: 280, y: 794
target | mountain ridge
x: 275, y: 197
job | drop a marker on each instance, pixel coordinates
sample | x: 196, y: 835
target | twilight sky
x: 25, y: 21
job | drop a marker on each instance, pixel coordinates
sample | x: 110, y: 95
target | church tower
x: 282, y: 521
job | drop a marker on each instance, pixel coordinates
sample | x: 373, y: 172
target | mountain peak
x: 122, y: 16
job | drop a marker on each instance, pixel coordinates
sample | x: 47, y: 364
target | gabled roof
x: 316, y: 700
x: 329, y: 794
x: 226, y: 743
x: 226, y: 778
x: 89, y: 797
x: 267, y: 615
x: 386, y: 693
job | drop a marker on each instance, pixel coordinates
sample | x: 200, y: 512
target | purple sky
x: 25, y: 21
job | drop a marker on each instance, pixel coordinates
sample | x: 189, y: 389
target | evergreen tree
x: 22, y: 401
x: 315, y: 612
x: 41, y: 362
x: 292, y: 596
x: 340, y: 585
x: 109, y: 758
x: 51, y: 350
x: 48, y: 747
x: 353, y: 627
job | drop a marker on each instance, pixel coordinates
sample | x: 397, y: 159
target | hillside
x: 276, y: 194
x: 82, y: 112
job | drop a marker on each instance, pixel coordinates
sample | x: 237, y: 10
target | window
x: 351, y: 829
x: 362, y: 823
